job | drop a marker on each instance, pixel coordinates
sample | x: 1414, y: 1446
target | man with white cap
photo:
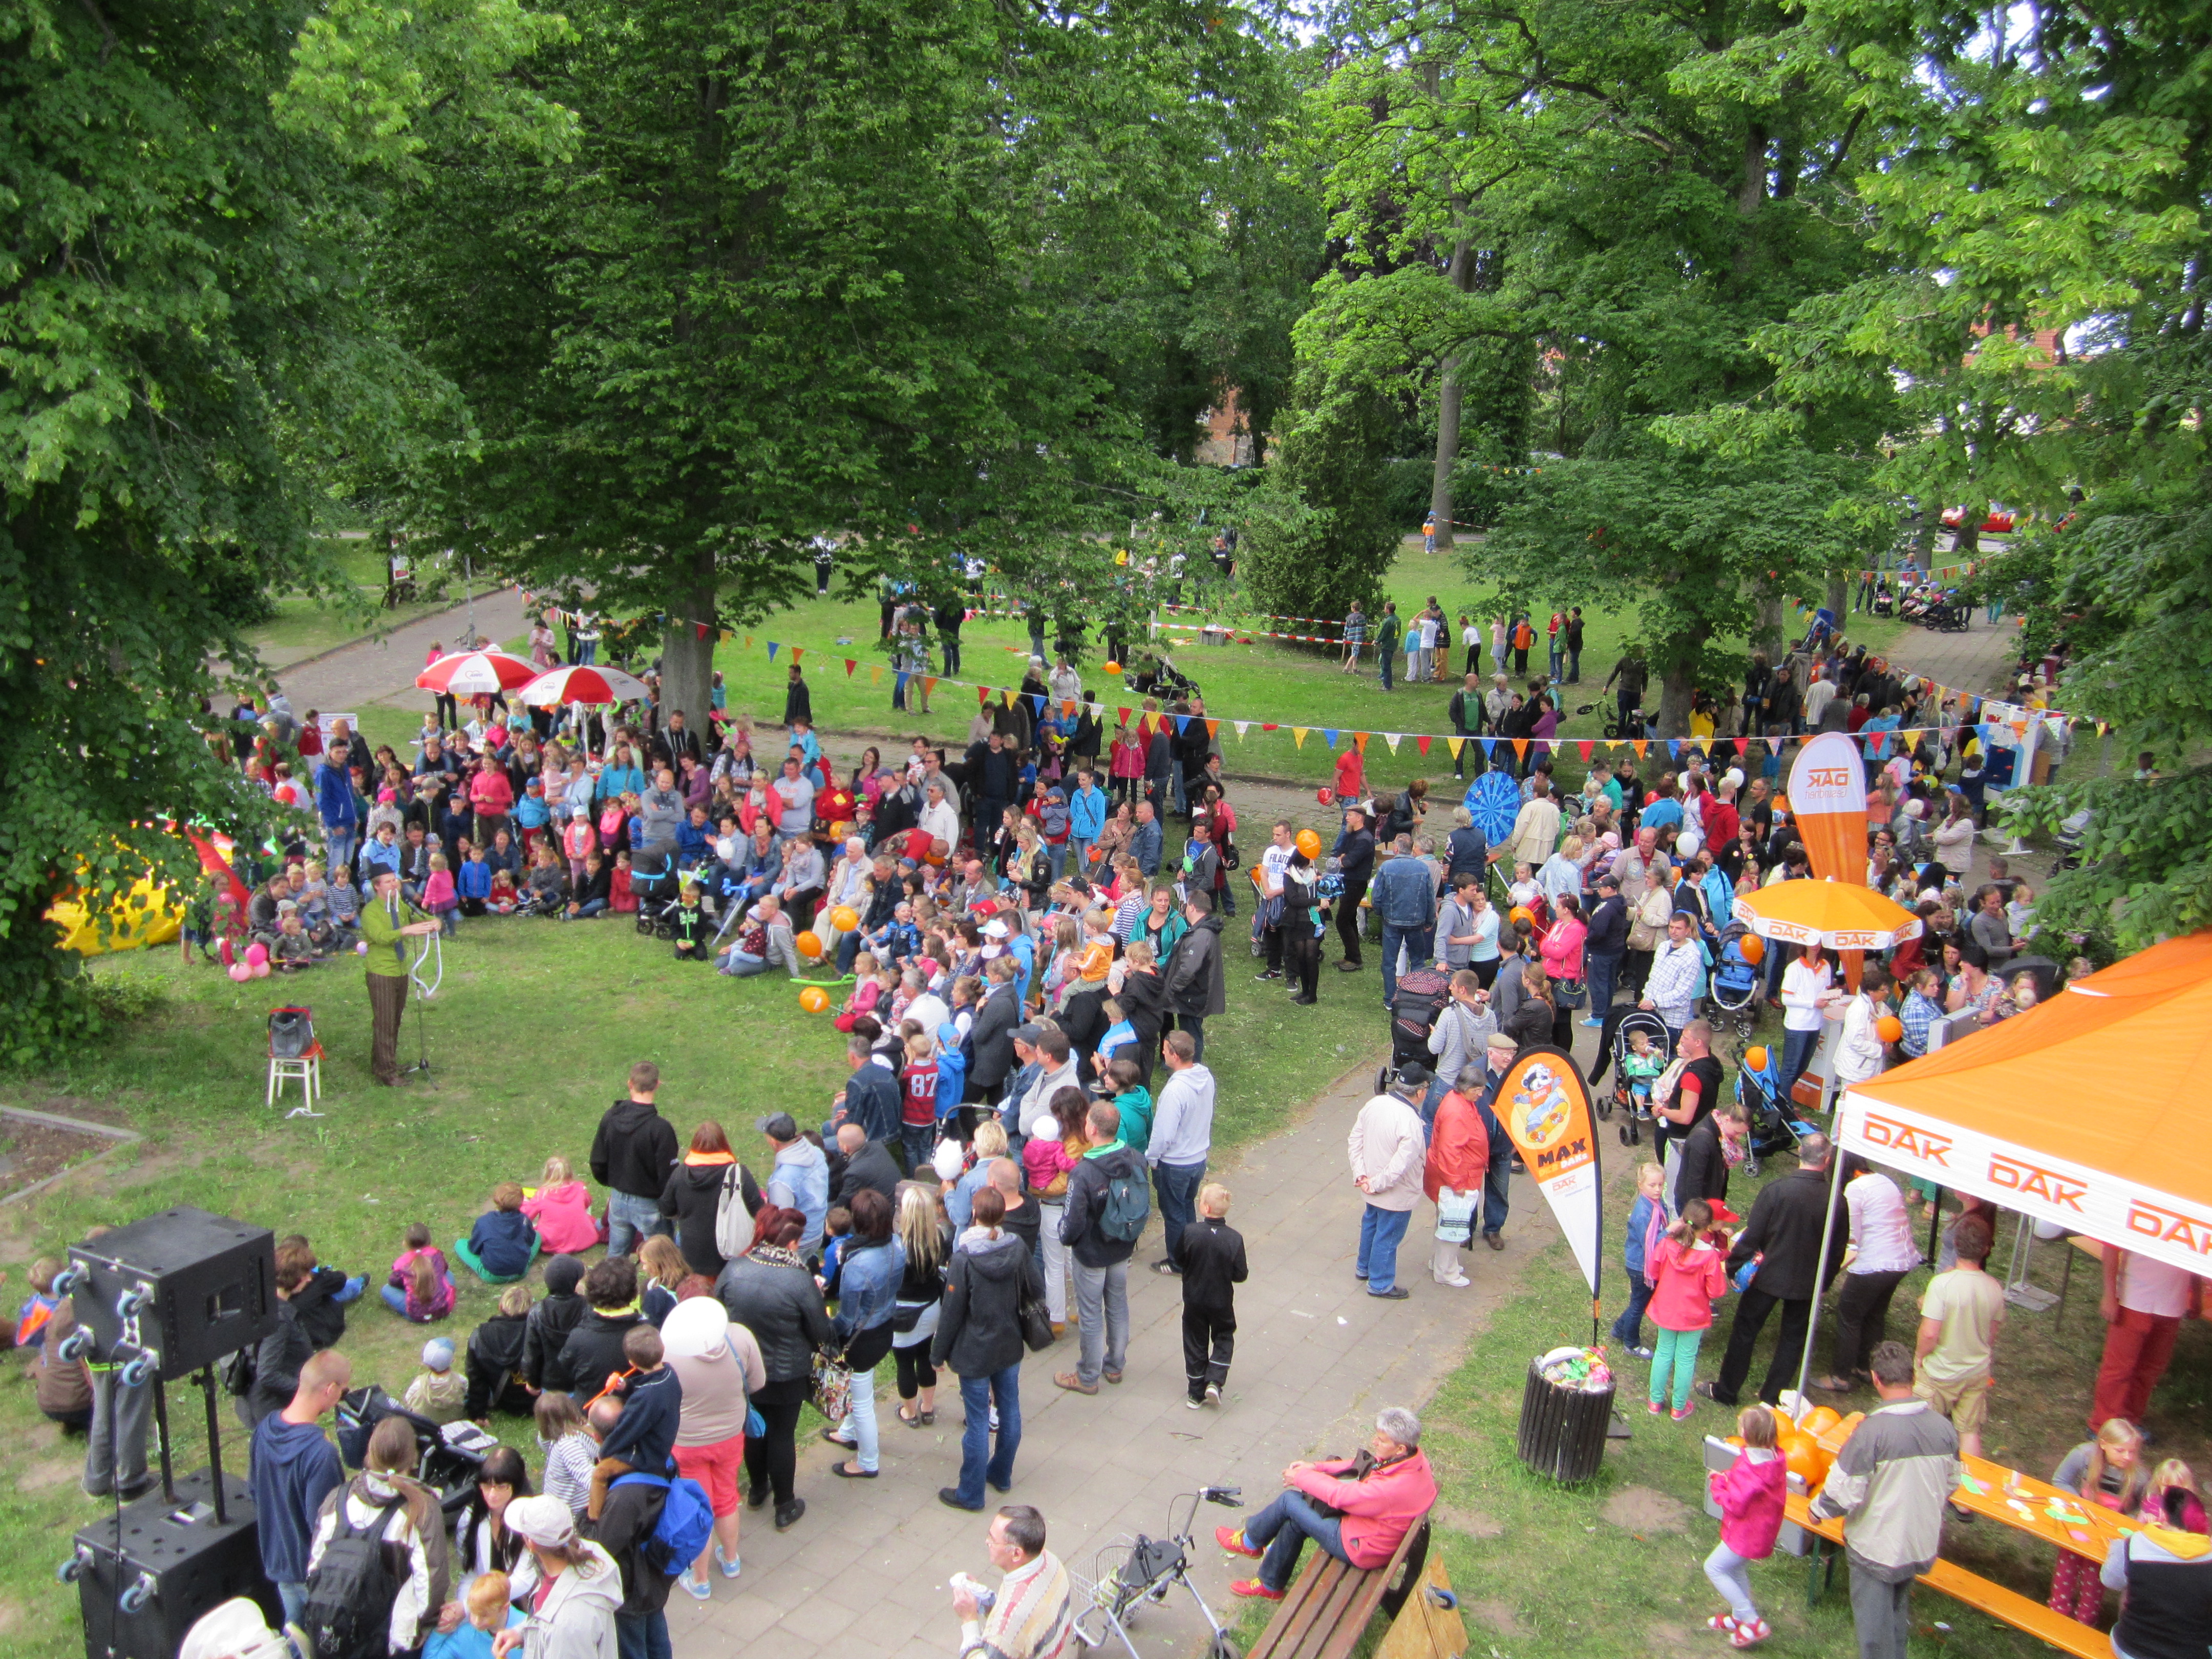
x: 576, y: 1618
x: 718, y: 1364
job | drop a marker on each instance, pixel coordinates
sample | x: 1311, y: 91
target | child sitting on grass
x: 438, y: 1392
x: 545, y: 1333
x: 502, y: 1245
x: 292, y: 950
x: 652, y: 1397
x: 1751, y: 1492
x: 694, y: 931
x: 474, y: 883
x: 561, y: 1207
x: 504, y: 899
x: 494, y: 1369
x: 343, y: 900
x: 1689, y: 1277
x: 870, y: 983
x: 661, y: 1269
x: 420, y: 1288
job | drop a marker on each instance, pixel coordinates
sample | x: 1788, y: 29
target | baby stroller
x: 447, y: 1459
x: 1735, y: 983
x: 1414, y: 1005
x: 1758, y: 1091
x: 1635, y: 1106
x: 653, y: 882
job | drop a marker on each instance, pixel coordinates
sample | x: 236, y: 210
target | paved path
x: 1976, y: 660
x: 382, y: 669
x: 865, y: 1569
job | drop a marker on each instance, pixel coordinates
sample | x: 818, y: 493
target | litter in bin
x: 1577, y: 1368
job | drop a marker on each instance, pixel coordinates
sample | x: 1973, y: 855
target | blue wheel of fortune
x: 1493, y: 801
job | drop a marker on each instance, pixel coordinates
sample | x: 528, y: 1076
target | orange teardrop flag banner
x: 1545, y: 1108
x: 929, y: 684
x: 1520, y: 749
x: 1828, y: 792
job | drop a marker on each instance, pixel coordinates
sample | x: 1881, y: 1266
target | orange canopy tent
x: 2084, y: 1111
x: 1840, y: 914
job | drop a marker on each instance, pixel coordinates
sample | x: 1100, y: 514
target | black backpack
x: 351, y: 1590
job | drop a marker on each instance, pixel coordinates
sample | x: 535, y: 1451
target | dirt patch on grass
x: 1474, y: 1522
x: 49, y: 1472
x: 1497, y: 1617
x: 32, y: 1150
x: 1644, y: 1511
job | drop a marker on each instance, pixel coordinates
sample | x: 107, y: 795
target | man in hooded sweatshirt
x: 550, y: 1321
x: 294, y: 1469
x: 632, y: 1153
x: 979, y: 1336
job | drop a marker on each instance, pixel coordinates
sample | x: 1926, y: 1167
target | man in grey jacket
x: 1102, y: 1254
x: 662, y: 809
x: 1890, y: 1484
x: 1182, y: 1136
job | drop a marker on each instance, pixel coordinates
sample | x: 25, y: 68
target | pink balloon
x: 261, y: 970
x: 256, y: 954
x: 240, y: 972
x: 360, y: 947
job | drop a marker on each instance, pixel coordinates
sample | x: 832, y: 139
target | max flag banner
x: 1828, y: 798
x: 1546, y: 1109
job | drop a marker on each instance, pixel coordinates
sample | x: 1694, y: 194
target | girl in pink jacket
x: 562, y: 1208
x: 1751, y: 1492
x: 1686, y: 1279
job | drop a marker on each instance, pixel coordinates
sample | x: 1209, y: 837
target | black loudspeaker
x: 144, y: 1578
x: 184, y: 1287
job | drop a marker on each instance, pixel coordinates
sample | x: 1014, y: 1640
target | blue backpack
x: 686, y: 1522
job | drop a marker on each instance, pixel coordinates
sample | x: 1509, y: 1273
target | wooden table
x: 1999, y: 1489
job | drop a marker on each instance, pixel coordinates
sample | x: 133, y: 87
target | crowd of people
x: 1032, y: 966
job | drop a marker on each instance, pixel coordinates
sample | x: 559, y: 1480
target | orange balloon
x: 1755, y: 1057
x: 1521, y: 913
x: 1309, y: 842
x: 844, y: 918
x: 814, y: 999
x: 809, y: 945
x: 1890, y: 1029
x: 1805, y: 1459
x: 1818, y: 1421
x: 1753, y: 949
x: 1735, y: 1440
x: 1113, y: 667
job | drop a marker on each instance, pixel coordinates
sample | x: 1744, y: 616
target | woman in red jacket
x: 1459, y: 1158
x: 1378, y: 1497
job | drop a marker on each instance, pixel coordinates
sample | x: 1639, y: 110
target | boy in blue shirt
x: 1121, y: 1032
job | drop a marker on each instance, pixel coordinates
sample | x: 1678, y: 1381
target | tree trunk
x: 687, y: 661
x: 1440, y: 490
x: 1837, y: 595
x: 1767, y: 627
x: 1461, y: 273
x: 1676, y: 683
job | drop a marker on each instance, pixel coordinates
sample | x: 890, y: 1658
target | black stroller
x: 447, y: 1459
x: 1414, y: 1005
x: 1759, y: 1091
x: 1632, y: 1096
x: 653, y: 882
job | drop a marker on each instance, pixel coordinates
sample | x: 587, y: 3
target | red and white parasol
x: 584, y: 683
x: 477, y: 673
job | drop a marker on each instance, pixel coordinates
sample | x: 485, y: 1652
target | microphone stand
x: 431, y: 951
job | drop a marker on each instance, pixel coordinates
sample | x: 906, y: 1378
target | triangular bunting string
x: 1393, y: 738
x: 1457, y: 744
x: 1298, y: 732
x: 1422, y: 743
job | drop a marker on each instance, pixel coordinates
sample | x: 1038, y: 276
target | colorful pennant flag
x: 1299, y: 733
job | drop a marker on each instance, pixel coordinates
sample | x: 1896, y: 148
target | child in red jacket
x: 1687, y: 1280
x: 1751, y: 1492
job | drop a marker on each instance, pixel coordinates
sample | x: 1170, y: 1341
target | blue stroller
x: 1735, y: 984
x: 1758, y: 1091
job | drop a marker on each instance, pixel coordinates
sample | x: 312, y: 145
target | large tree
x: 861, y: 266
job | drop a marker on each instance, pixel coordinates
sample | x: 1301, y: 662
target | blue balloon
x: 1493, y: 801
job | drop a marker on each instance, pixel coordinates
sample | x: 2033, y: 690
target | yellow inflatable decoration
x: 147, y: 915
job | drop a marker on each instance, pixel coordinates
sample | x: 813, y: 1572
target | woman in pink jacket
x: 1562, y: 953
x: 1379, y: 1496
x: 1751, y: 1492
x: 492, y: 796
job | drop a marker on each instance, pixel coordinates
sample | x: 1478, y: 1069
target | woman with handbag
x: 869, y: 1274
x: 1562, y: 955
x: 768, y: 1291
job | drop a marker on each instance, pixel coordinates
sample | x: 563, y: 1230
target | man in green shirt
x: 388, y: 921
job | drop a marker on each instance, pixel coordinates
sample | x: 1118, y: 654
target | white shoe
x: 1213, y: 1393
x: 1457, y: 1281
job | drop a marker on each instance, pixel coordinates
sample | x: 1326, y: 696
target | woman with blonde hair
x: 927, y: 1236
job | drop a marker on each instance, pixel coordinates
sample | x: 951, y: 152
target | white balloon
x: 1686, y: 844
x: 1734, y: 777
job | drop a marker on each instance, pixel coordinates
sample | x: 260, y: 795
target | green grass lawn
x: 306, y: 625
x: 1266, y: 681
x: 531, y: 1035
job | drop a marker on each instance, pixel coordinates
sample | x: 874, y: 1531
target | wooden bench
x: 1328, y: 1605
x: 1948, y: 1578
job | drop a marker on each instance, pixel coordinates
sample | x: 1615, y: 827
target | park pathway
x: 1978, y: 660
x: 380, y: 669
x: 864, y: 1574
